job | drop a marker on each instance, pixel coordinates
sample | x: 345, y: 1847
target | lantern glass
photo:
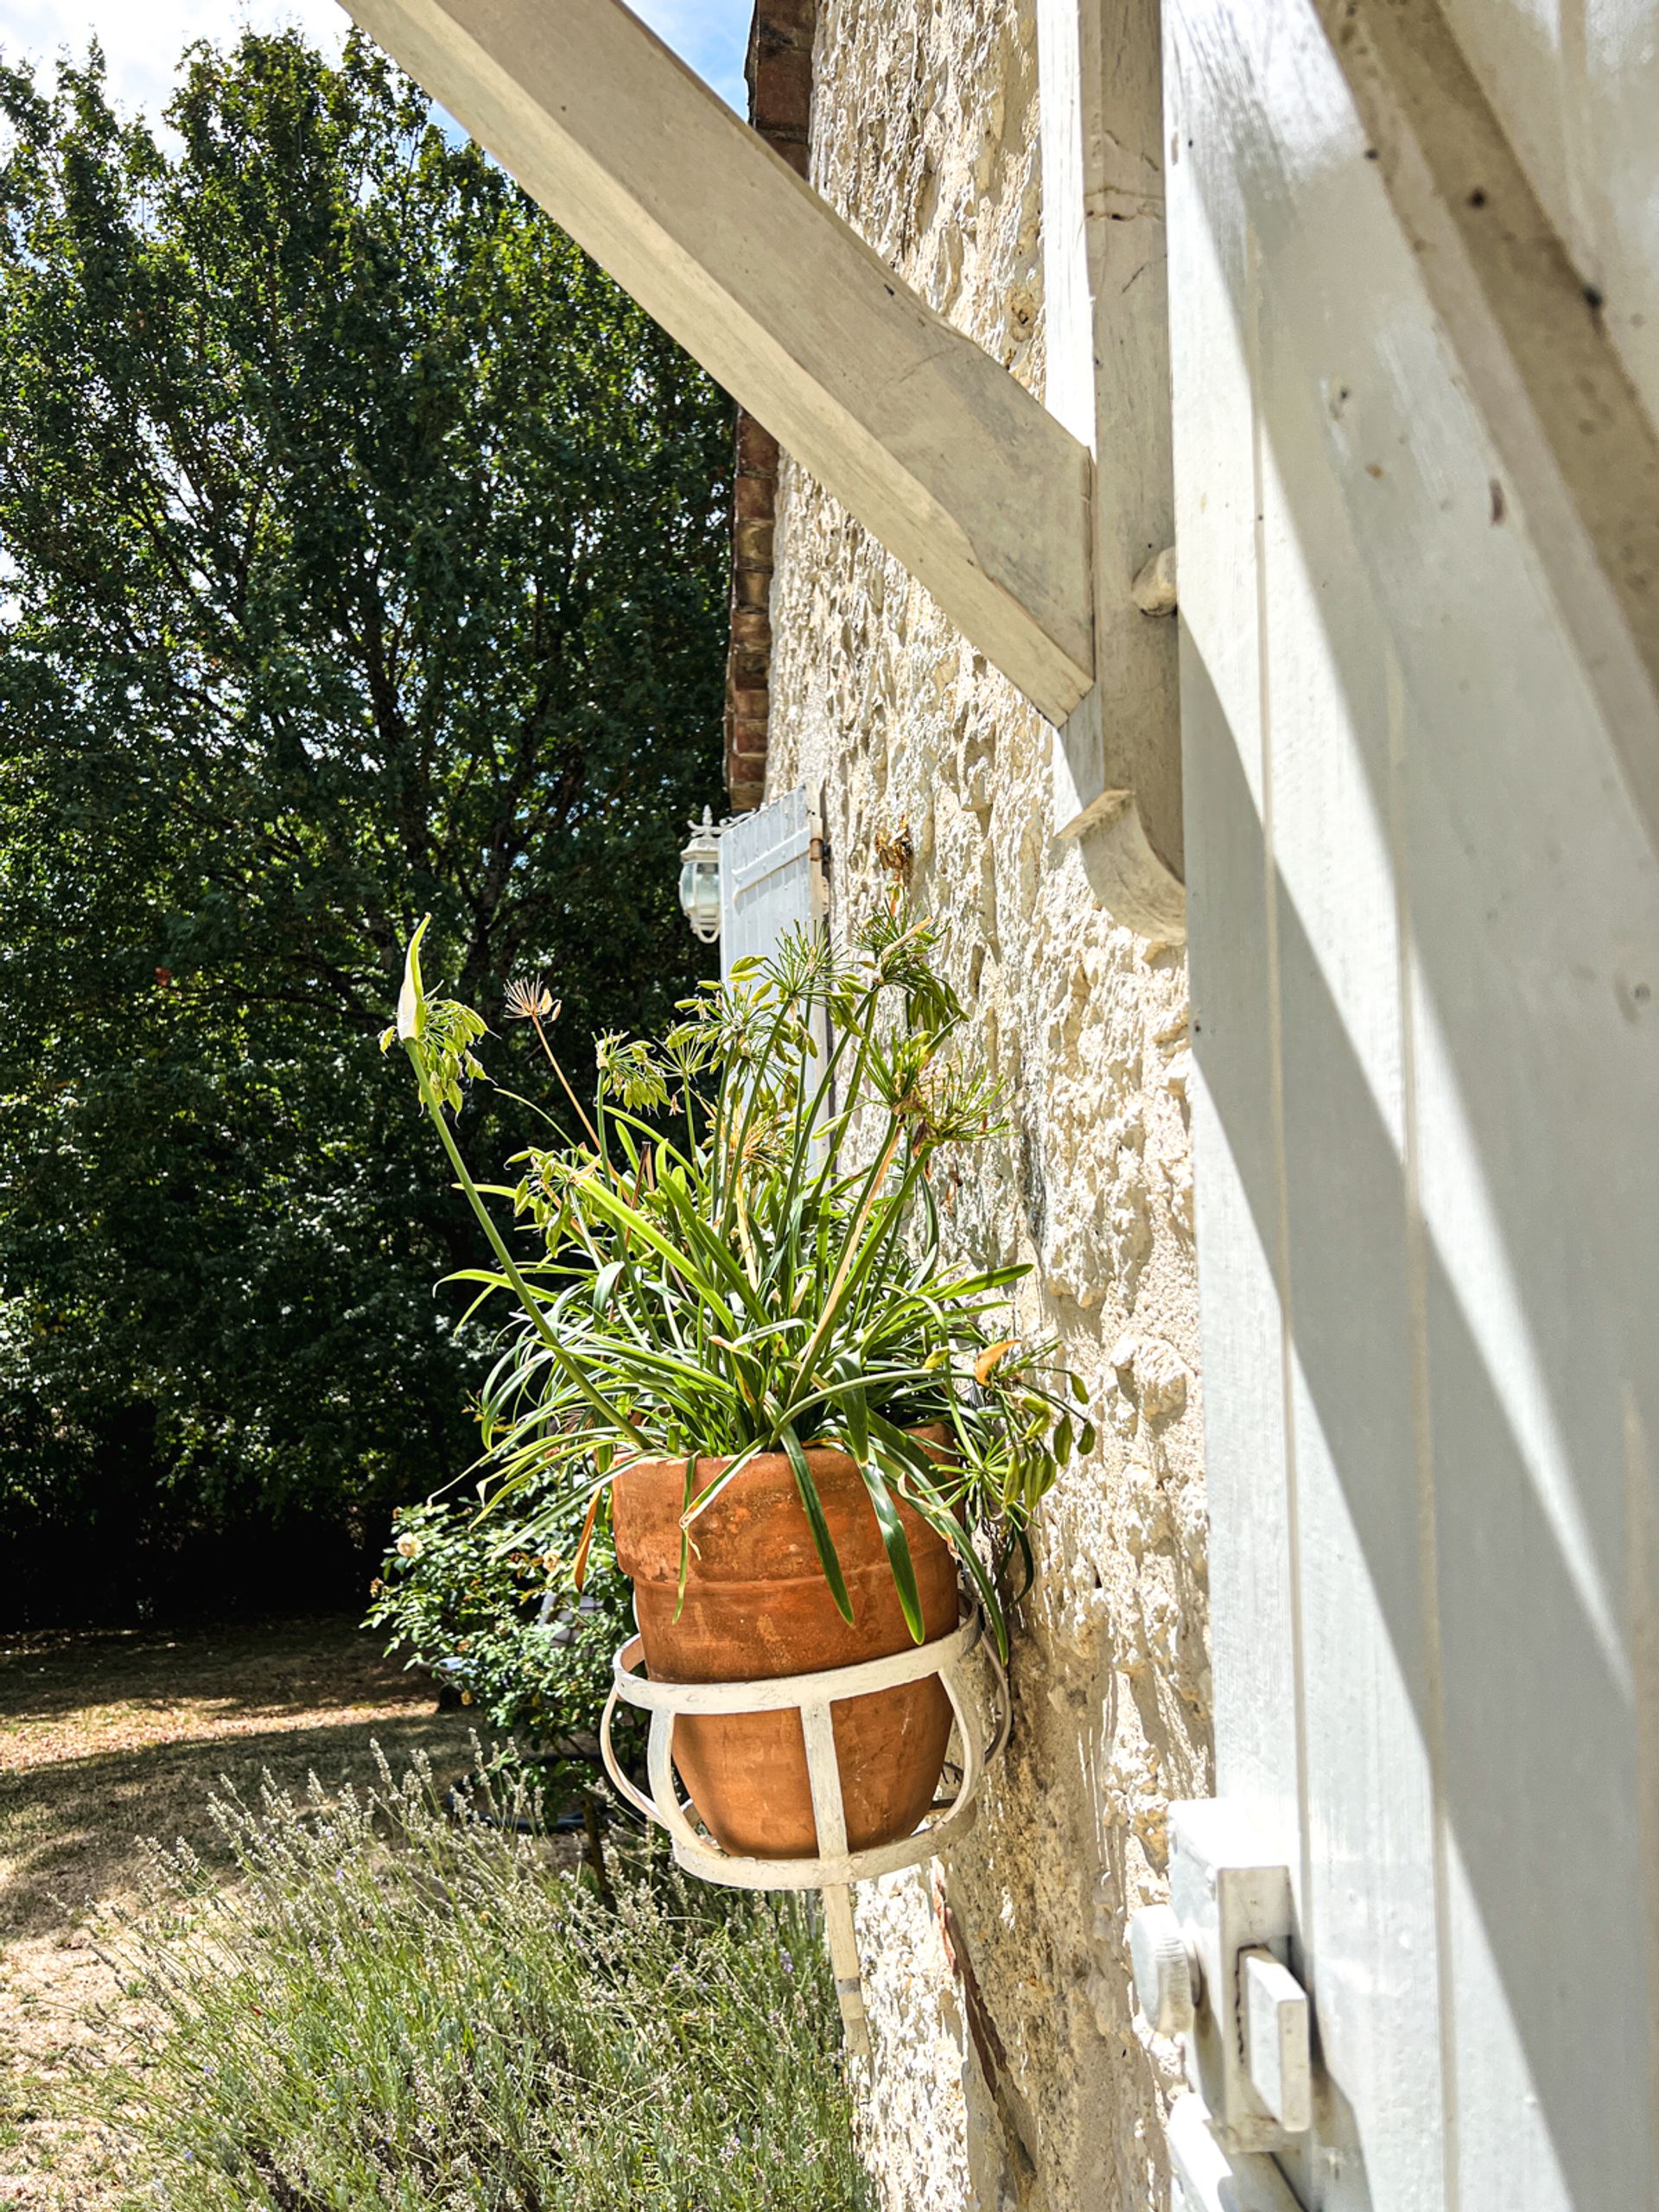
x: 700, y: 880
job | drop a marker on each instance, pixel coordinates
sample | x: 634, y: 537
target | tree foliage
x: 362, y: 551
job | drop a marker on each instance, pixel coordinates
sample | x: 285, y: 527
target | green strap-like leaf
x: 821, y: 1537
x: 685, y: 1536
x: 705, y: 1499
x: 606, y: 1201
x: 856, y: 1406
x: 926, y: 1501
x: 897, y: 1545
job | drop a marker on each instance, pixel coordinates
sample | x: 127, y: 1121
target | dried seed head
x: 531, y: 1000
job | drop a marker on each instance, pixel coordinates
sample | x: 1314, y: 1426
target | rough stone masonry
x: 1010, y: 2072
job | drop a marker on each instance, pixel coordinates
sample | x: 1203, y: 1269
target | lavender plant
x: 390, y: 2011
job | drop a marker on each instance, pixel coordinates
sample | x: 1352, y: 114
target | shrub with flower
x: 497, y: 1621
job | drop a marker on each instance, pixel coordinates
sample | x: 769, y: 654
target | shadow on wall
x: 1512, y: 1309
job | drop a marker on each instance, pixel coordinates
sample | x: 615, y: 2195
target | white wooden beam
x: 1581, y: 454
x: 1117, y: 758
x: 954, y: 466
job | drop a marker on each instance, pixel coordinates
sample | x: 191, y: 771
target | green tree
x: 360, y: 556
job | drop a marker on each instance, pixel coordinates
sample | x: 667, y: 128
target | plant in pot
x: 734, y: 1328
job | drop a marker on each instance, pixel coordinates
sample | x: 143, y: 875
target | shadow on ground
x: 106, y: 1740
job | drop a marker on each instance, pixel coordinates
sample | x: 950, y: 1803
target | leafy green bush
x: 442, y: 624
x: 497, y: 1621
x: 392, y: 2012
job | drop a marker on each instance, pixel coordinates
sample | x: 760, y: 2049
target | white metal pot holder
x: 982, y: 1738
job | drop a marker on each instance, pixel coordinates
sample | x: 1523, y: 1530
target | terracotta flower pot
x: 757, y: 1606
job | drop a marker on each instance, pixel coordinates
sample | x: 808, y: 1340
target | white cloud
x: 144, y: 39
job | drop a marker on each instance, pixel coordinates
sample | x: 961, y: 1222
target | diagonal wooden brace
x: 932, y: 444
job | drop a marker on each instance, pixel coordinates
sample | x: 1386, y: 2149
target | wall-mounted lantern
x: 699, y: 879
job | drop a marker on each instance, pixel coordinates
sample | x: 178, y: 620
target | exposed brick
x: 779, y: 72
x: 751, y: 541
x: 780, y: 87
x: 755, y: 497
x: 792, y: 21
x: 757, y: 449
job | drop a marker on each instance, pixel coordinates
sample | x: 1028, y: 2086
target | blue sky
x: 145, y: 38
x: 711, y: 35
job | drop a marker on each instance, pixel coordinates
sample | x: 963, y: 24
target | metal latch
x: 1211, y: 1966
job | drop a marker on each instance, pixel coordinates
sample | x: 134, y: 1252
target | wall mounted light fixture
x: 699, y: 879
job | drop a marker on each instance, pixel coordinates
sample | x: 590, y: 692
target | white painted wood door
x: 1425, y: 947
x: 771, y: 881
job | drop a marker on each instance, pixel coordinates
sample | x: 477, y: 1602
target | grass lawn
x: 106, y: 1738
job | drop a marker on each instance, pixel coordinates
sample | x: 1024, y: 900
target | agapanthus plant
x: 739, y: 1251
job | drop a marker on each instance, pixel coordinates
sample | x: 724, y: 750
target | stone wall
x: 1009, y: 2071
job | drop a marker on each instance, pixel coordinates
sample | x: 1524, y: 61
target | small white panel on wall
x: 771, y: 879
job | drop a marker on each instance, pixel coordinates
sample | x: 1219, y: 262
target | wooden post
x: 1556, y: 400
x: 1117, y: 758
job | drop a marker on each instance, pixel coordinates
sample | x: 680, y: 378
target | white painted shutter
x: 770, y: 879
x: 1425, y: 946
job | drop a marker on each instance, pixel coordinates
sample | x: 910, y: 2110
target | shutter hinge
x: 1212, y: 1966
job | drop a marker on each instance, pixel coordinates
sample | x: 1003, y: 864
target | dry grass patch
x: 107, y: 1739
